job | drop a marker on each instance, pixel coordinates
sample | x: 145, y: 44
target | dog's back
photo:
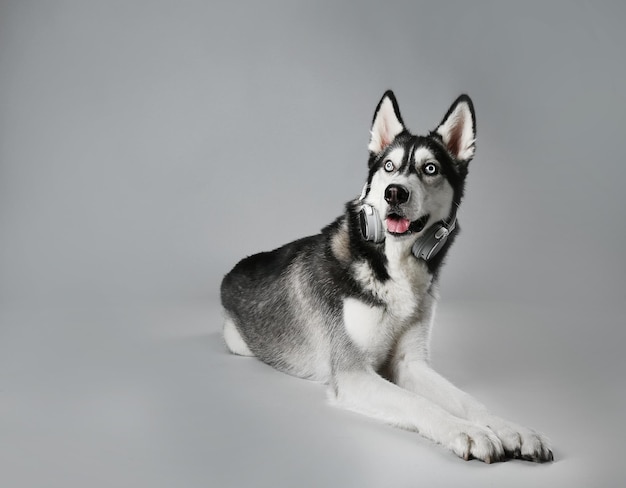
x: 278, y: 302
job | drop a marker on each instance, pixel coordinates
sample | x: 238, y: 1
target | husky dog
x: 353, y: 306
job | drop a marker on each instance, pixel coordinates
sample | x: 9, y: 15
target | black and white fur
x: 357, y: 314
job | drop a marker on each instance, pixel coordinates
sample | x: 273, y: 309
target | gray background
x: 145, y: 147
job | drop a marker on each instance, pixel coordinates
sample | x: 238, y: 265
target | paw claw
x: 475, y: 442
x: 520, y: 442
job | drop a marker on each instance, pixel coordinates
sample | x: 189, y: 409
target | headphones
x: 371, y: 225
x: 425, y: 247
x: 433, y: 240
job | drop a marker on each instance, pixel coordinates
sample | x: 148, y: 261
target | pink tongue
x: 398, y: 226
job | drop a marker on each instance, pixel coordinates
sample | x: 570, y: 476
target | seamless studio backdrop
x: 146, y: 147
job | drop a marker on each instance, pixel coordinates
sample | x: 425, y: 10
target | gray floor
x: 148, y: 396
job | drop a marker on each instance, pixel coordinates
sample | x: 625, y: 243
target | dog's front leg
x: 411, y: 371
x: 366, y: 392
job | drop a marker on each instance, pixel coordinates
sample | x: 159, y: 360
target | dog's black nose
x: 396, y: 194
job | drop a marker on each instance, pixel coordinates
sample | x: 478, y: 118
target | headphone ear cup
x: 371, y: 225
x: 430, y: 243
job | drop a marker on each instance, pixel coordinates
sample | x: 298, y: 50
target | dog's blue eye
x: 430, y: 169
x: 389, y: 167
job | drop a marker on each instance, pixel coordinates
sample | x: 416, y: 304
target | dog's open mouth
x: 398, y: 225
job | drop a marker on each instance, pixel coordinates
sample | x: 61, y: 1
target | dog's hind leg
x: 233, y: 338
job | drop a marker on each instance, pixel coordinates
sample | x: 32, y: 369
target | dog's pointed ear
x: 458, y: 129
x: 387, y: 123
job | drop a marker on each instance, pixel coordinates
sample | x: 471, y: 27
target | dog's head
x: 416, y: 181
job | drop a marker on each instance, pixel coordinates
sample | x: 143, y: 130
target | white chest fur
x: 364, y: 325
x: 374, y: 329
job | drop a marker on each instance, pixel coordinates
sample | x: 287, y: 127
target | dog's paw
x: 470, y: 441
x: 520, y: 442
